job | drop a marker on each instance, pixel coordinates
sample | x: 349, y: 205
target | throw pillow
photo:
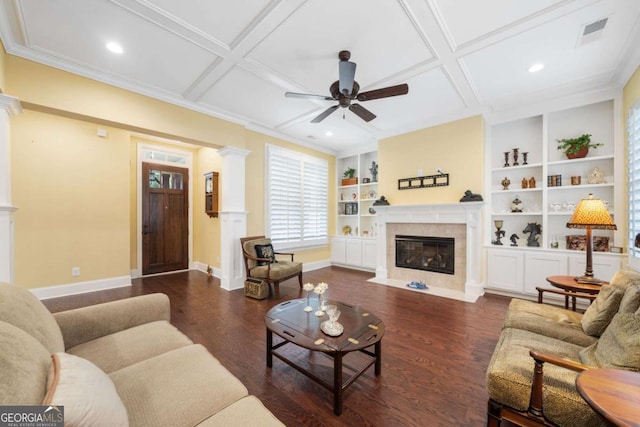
x: 265, y: 251
x: 598, y: 315
x: 631, y: 300
x: 87, y: 394
x: 618, y: 347
x: 624, y: 278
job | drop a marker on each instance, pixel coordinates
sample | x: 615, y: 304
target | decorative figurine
x: 499, y: 232
x: 525, y: 183
x: 515, y: 205
x: 505, y: 183
x: 554, y: 243
x: 506, y: 159
x: 532, y: 182
x: 514, y: 237
x: 374, y: 172
x: 596, y: 176
x: 471, y: 197
x: 524, y: 158
x: 515, y: 157
x: 534, y: 229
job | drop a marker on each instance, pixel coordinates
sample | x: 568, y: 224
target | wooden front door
x: 165, y: 227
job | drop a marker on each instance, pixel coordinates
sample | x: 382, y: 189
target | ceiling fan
x: 346, y: 90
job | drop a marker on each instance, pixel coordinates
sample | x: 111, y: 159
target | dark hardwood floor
x: 435, y: 350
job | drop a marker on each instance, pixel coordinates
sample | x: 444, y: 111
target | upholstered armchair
x: 260, y: 261
x: 542, y: 349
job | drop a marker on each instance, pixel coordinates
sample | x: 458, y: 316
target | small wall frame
x: 440, y: 180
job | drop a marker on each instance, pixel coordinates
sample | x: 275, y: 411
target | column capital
x: 11, y: 104
x: 229, y: 150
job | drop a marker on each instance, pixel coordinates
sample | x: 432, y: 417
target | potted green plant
x: 348, y: 177
x: 576, y: 148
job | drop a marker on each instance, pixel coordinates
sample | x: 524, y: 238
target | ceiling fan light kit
x: 346, y: 89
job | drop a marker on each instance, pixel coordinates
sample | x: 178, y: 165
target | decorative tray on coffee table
x: 333, y: 329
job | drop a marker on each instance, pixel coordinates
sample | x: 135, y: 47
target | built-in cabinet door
x: 505, y: 269
x: 354, y: 252
x: 539, y: 266
x: 338, y: 250
x: 369, y: 254
x: 604, y: 266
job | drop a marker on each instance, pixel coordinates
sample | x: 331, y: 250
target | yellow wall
x: 456, y: 147
x: 206, y: 242
x: 48, y: 87
x: 2, y: 66
x: 631, y: 93
x: 254, y: 201
x: 71, y: 189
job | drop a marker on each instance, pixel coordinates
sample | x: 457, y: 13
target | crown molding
x: 11, y: 104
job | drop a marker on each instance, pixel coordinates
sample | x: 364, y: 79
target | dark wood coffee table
x: 362, y: 329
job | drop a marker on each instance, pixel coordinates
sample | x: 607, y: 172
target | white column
x: 474, y: 288
x: 233, y: 217
x: 381, y: 243
x: 9, y: 106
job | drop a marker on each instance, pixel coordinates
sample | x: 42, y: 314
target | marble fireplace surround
x: 459, y: 220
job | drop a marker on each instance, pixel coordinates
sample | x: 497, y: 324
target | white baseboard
x: 200, y: 266
x: 81, y: 287
x: 316, y: 265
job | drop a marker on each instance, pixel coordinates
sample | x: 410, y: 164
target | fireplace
x: 459, y: 221
x: 435, y: 254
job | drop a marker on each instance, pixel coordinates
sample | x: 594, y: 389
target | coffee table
x: 362, y: 330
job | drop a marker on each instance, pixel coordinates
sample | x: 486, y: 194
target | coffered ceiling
x: 236, y: 59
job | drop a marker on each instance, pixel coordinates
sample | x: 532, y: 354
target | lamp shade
x: 591, y: 213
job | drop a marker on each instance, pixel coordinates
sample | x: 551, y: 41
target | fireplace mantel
x: 467, y: 213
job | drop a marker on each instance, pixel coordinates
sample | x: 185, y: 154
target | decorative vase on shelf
x: 505, y: 183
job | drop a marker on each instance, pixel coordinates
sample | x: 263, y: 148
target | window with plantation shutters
x: 296, y: 199
x: 633, y: 131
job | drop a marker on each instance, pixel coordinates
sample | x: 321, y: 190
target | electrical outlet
x: 75, y: 271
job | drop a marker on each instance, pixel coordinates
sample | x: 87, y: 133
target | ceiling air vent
x: 592, y: 31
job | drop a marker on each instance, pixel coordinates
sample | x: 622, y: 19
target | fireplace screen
x: 426, y: 253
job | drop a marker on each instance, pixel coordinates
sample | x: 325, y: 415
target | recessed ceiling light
x: 536, y: 67
x: 329, y: 133
x: 115, y: 47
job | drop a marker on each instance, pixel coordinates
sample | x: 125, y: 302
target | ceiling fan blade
x: 362, y: 112
x: 324, y: 114
x: 347, y: 72
x: 307, y: 96
x: 386, y: 92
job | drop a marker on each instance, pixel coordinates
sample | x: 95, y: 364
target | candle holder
x: 499, y: 232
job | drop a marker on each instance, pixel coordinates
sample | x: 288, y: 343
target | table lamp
x: 589, y: 214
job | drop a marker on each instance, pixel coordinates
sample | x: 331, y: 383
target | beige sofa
x: 118, y: 359
x: 542, y: 348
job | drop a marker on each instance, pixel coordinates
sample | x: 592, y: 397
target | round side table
x: 613, y: 393
x: 569, y: 284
